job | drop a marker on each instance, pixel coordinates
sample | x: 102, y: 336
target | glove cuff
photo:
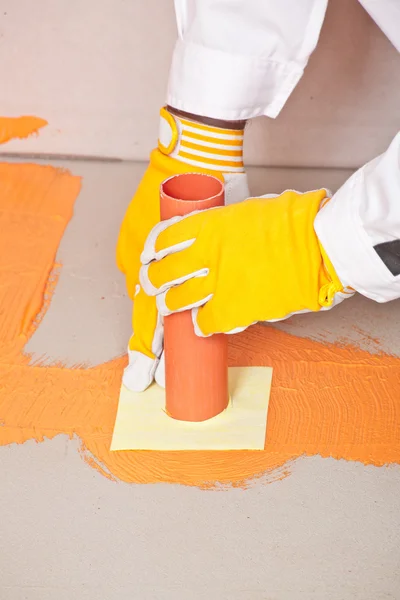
x: 328, y: 292
x: 203, y: 146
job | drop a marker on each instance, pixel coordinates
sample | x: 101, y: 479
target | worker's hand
x: 259, y: 260
x: 146, y: 343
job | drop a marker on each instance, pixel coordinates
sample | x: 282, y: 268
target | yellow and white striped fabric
x: 201, y: 145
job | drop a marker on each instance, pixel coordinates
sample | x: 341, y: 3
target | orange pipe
x: 196, y: 369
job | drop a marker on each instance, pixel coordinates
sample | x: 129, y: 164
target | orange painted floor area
x: 326, y: 400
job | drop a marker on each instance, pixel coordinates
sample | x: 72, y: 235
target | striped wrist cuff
x: 201, y: 145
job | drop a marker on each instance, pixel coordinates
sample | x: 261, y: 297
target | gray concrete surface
x: 329, y: 531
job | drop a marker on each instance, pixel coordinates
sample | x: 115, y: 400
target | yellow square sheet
x: 142, y: 423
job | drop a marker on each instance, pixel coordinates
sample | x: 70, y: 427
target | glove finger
x: 146, y: 343
x: 172, y: 236
x: 147, y: 327
x: 160, y: 275
x: 190, y: 294
x: 140, y: 372
x: 160, y: 371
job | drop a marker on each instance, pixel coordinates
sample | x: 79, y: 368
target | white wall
x: 97, y: 71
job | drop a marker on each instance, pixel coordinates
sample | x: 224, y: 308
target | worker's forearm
x: 360, y: 228
x: 236, y: 61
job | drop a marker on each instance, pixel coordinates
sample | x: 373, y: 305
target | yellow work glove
x: 259, y: 260
x: 184, y: 146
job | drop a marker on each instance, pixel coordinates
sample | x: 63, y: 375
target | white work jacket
x: 239, y: 59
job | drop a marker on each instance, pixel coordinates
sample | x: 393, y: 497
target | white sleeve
x: 386, y: 14
x: 238, y: 59
x: 360, y: 228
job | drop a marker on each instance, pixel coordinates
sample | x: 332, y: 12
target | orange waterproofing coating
x: 196, y: 369
x: 326, y: 400
x: 19, y: 127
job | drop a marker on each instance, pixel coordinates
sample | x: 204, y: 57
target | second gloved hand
x: 184, y: 146
x: 259, y: 260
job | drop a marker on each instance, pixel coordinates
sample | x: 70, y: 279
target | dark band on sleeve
x: 389, y: 253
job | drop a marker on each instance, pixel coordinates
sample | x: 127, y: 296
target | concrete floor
x: 330, y: 531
